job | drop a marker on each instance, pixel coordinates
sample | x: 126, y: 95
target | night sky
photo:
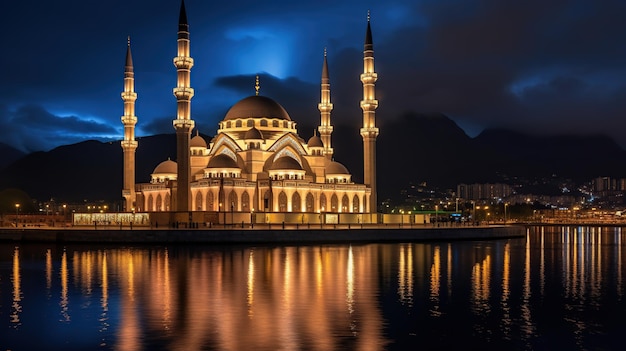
x: 539, y: 67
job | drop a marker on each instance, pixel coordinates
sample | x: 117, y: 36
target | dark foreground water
x: 557, y: 288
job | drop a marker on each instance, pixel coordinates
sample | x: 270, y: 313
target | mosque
x: 257, y: 162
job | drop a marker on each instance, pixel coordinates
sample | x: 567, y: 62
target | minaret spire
x: 129, y: 144
x: 325, y: 106
x: 369, y: 132
x: 257, y: 86
x: 183, y: 122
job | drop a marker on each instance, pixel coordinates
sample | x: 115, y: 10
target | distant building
x: 485, y: 191
x: 257, y: 161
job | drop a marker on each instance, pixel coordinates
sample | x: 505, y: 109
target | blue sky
x: 556, y: 67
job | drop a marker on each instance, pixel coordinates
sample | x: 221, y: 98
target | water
x: 557, y: 288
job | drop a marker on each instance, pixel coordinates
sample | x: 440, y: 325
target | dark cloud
x: 32, y: 128
x: 548, y: 67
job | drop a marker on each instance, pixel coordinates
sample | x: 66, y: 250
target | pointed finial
x: 324, y: 51
x: 368, y: 15
x: 129, y: 40
x: 256, y: 85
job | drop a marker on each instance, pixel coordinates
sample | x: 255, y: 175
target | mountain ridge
x: 412, y: 148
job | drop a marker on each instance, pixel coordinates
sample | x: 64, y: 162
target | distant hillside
x: 411, y: 149
x: 9, y: 155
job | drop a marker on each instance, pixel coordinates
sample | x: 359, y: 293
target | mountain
x: 412, y: 148
x: 9, y: 155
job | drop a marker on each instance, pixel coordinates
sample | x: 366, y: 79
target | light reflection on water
x: 556, y: 287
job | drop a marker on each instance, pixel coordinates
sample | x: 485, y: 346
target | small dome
x: 253, y: 133
x: 257, y: 106
x: 336, y: 168
x: 286, y: 163
x: 315, y: 141
x: 166, y: 167
x: 222, y: 161
x: 198, y: 141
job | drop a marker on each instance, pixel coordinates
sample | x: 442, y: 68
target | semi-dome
x: 198, y: 141
x: 315, y: 141
x: 335, y: 167
x: 286, y: 163
x: 166, y: 167
x: 257, y: 106
x: 222, y: 161
x: 253, y: 134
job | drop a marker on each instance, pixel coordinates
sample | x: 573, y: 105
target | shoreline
x: 258, y: 235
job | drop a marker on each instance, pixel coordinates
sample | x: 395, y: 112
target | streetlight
x: 219, y: 214
x: 17, y: 213
x: 251, y: 216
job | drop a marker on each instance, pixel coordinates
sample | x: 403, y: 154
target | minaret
x: 183, y: 122
x: 325, y: 106
x: 129, y: 144
x: 369, y: 132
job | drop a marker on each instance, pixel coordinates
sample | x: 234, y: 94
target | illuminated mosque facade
x: 257, y: 162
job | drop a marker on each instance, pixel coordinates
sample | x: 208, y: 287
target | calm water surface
x: 557, y: 288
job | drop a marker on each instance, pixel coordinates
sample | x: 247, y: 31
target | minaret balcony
x: 183, y: 93
x: 325, y: 129
x: 183, y: 124
x: 129, y: 96
x: 129, y: 144
x: 129, y: 120
x: 325, y: 107
x: 369, y: 77
x: 369, y: 105
x: 370, y: 132
x: 183, y: 62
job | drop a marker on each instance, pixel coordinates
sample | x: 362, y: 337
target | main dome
x: 257, y: 106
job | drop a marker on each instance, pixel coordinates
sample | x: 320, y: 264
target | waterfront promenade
x: 260, y: 234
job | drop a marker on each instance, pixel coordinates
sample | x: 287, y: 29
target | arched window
x: 199, y: 201
x: 166, y: 203
x: 245, y: 202
x: 310, y: 203
x: 238, y: 123
x: 232, y: 201
x: 159, y: 203
x: 345, y: 203
x: 323, y: 206
x: 263, y: 123
x: 285, y: 124
x: 250, y: 123
x: 228, y: 124
x: 355, y: 204
x: 150, y: 203
x: 334, y: 203
x: 274, y: 123
x: 210, y: 201
x: 295, y: 203
x: 282, y: 202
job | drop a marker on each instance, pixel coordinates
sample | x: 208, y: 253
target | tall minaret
x: 369, y: 132
x: 183, y: 122
x: 129, y: 144
x: 325, y: 106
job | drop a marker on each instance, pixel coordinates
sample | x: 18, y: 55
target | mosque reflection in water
x: 374, y: 296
